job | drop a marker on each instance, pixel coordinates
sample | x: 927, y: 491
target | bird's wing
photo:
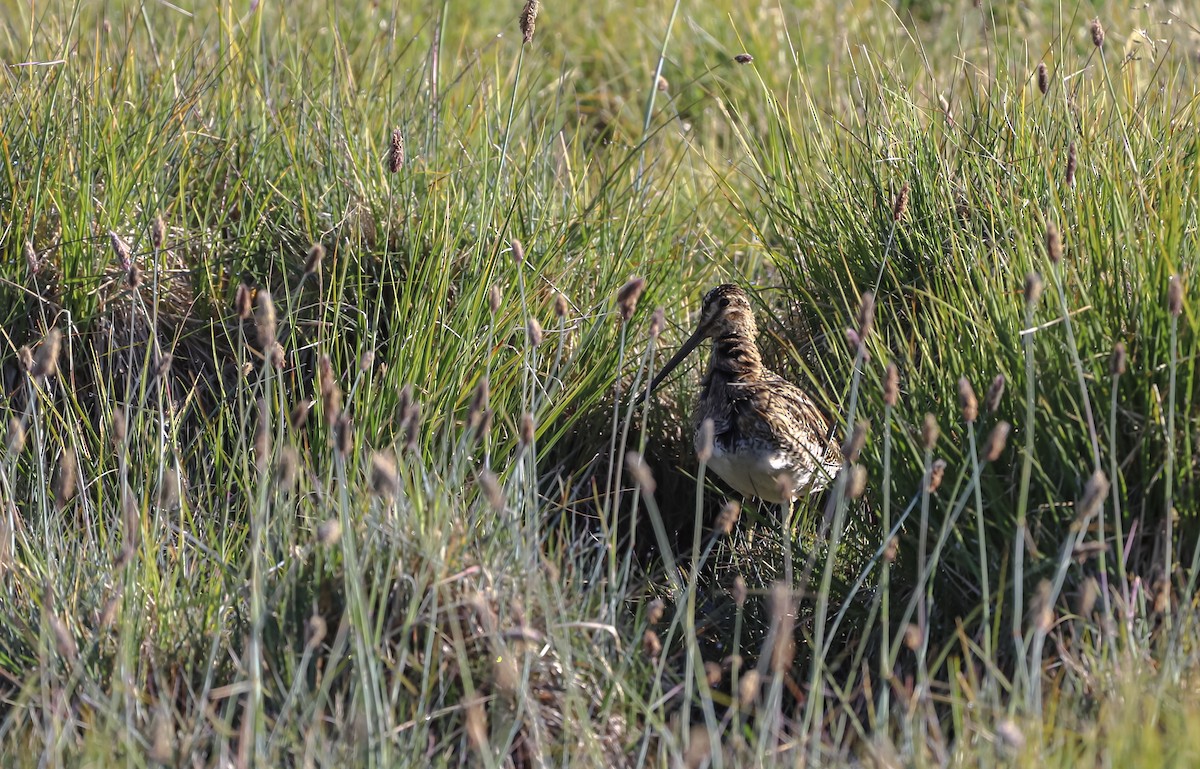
x: 788, y: 416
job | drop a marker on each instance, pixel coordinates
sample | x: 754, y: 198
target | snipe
x: 767, y: 431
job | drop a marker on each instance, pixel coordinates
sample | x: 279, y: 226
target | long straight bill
x: 688, y: 346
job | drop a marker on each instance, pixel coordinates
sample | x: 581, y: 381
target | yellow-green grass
x: 402, y: 586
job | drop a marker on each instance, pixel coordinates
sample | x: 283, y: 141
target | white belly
x: 758, y: 474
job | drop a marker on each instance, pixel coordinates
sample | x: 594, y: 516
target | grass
x: 404, y: 498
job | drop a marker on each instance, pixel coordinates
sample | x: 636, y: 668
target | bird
x: 770, y: 440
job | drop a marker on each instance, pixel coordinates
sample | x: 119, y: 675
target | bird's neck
x: 735, y: 357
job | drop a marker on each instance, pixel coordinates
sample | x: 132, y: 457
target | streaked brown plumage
x: 766, y: 429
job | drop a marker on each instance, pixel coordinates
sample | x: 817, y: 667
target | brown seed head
x: 655, y: 611
x: 120, y: 250
x: 479, y: 405
x: 343, y: 434
x: 995, y: 393
x: 651, y: 644
x: 856, y: 484
x: 312, y: 263
x: 704, y: 440
x: 1097, y: 32
x: 1041, y: 609
x: 133, y: 277
x: 728, y: 517
x: 1043, y: 78
x: 528, y: 20
x: 396, y: 151
x: 640, y: 472
x: 661, y: 84
x: 856, y: 441
x: 713, y: 673
x: 384, y: 480
x: 158, y: 232
x: 658, y: 322
x: 628, y: 296
x: 783, y: 623
x: 1072, y: 163
x: 891, y: 385
x: 298, y: 418
x: 743, y: 58
x: 64, y: 486
x: 891, y: 549
x: 1053, y: 243
x: 929, y: 432
x: 912, y: 637
x: 331, y: 392
x: 262, y: 437
x: 533, y: 332
x: 1116, y: 363
x: 314, y: 632
x: 937, y: 471
x: 1095, y: 491
x: 739, y: 591
x: 967, y: 402
x: 528, y: 430
x: 275, y: 355
x: 265, y: 320
x: 243, y: 302
x: 410, y: 423
x: 866, y: 314
x: 1175, y: 296
x: 15, y: 438
x: 329, y: 532
x: 494, y: 299
x: 900, y: 205
x: 120, y: 427
x: 560, y: 306
x: 748, y: 688
x: 287, y: 469
x: 518, y: 251
x: 31, y: 258
x: 996, y: 441
x: 1033, y: 289
x: 490, y: 486
x: 45, y: 362
x: 25, y: 359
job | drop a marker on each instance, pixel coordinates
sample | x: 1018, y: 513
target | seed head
x: 628, y: 296
x: 410, y: 423
x: 343, y: 434
x: 655, y: 610
x: 490, y: 486
x: 528, y: 20
x: 1072, y: 162
x: 713, y: 673
x: 560, y: 306
x: 662, y: 84
x: 15, y: 439
x: 1097, y: 32
x: 494, y: 299
x: 518, y: 251
x: 1043, y: 77
x: 1033, y: 289
x: 312, y: 264
x: 45, y: 362
x: 743, y: 58
x: 900, y: 205
x: 265, y: 320
x: 658, y: 322
x: 704, y: 440
x: 314, y: 632
x: 31, y: 258
x: 854, y: 444
x: 158, y: 232
x: 120, y: 250
x: 651, y: 644
x: 891, y: 385
x: 64, y: 486
x: 120, y: 427
x: 1041, y: 609
x: 913, y: 637
x: 1095, y: 491
x: 329, y: 532
x: 25, y: 359
x: 748, y: 688
x: 967, y: 401
x: 479, y: 405
x: 1053, y: 243
x: 728, y: 517
x: 133, y: 277
x: 937, y: 471
x: 287, y: 468
x: 783, y: 623
x: 331, y: 392
x: 1175, y: 296
x: 298, y: 417
x: 890, y: 550
x: 640, y: 472
x: 384, y: 481
x: 262, y: 438
x: 856, y: 484
x: 1116, y: 363
x: 533, y: 332
x: 168, y: 492
x: 243, y: 302
x: 866, y: 314
x: 739, y: 591
x: 528, y: 429
x: 996, y: 441
x: 995, y: 393
x: 396, y: 151
x: 929, y: 432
